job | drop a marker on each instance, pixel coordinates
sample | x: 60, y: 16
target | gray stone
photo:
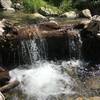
x: 96, y: 18
x: 86, y: 13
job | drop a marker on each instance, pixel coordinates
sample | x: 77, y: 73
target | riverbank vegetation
x: 59, y: 5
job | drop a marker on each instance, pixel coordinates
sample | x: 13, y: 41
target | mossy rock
x: 49, y: 11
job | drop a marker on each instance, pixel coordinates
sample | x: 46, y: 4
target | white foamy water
x: 43, y: 80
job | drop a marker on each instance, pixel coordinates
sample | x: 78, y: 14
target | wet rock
x: 86, y: 13
x: 7, y: 5
x: 49, y: 26
x: 9, y: 85
x: 4, y: 76
x: 70, y: 14
x: 72, y: 34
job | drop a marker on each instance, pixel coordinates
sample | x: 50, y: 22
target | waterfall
x: 45, y: 80
x: 30, y: 50
x: 33, y: 50
x: 75, y: 46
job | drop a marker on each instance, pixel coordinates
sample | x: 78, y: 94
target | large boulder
x: 86, y: 13
x: 70, y: 14
x: 7, y: 5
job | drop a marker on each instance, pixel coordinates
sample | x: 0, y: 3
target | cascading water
x: 43, y: 80
x: 75, y: 46
x: 30, y: 51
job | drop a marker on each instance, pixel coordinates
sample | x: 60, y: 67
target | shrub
x: 33, y: 5
x: 66, y: 5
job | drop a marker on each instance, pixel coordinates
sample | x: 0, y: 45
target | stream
x: 52, y: 79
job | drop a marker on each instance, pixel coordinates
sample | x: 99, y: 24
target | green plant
x: 33, y: 5
x: 66, y: 5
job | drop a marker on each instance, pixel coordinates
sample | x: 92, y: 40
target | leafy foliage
x: 63, y: 5
x: 33, y: 5
x: 66, y: 5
